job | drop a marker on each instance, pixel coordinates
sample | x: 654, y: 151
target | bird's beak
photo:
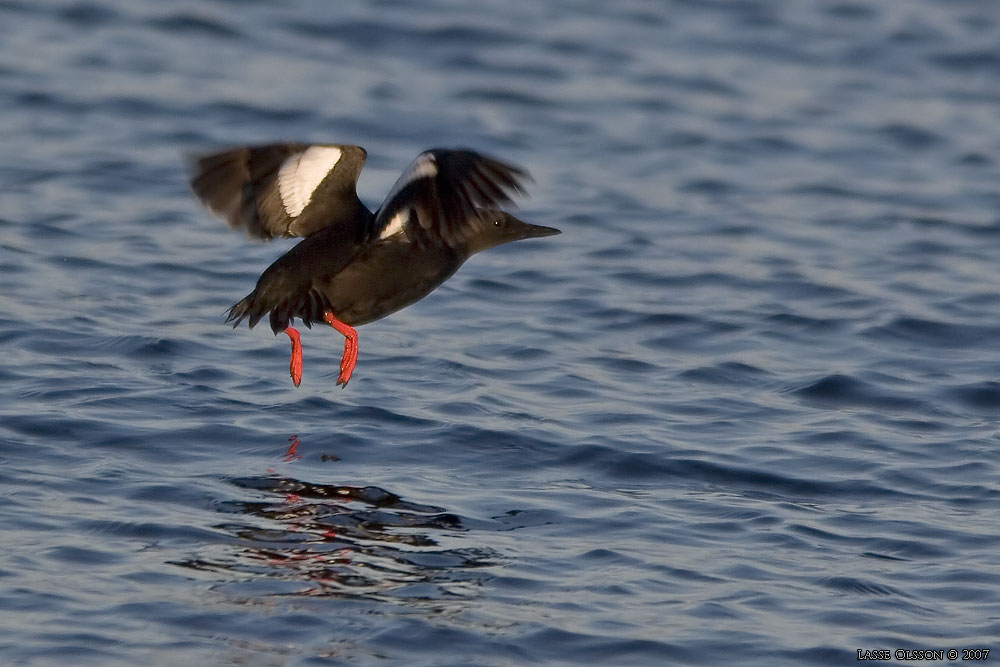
x: 537, y: 231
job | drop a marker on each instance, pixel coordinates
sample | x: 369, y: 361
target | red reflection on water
x: 292, y: 453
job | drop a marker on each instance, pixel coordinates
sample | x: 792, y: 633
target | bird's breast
x: 387, y: 276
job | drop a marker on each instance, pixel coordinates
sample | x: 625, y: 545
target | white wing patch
x: 301, y: 174
x: 396, y: 224
x: 424, y: 166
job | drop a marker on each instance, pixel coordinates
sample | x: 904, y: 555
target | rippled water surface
x: 743, y: 410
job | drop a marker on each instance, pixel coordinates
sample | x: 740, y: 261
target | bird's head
x: 499, y: 227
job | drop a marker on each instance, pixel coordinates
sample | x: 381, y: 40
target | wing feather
x: 286, y: 189
x: 444, y: 189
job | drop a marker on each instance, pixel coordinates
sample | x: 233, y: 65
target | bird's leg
x: 350, y: 357
x: 295, y: 363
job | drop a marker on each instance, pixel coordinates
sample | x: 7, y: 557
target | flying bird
x: 354, y: 266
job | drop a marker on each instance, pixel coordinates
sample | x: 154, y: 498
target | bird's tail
x: 309, y: 306
x: 247, y: 307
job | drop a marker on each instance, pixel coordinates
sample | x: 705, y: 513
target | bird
x: 354, y: 266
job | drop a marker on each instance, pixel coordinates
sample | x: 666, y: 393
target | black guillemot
x: 354, y: 266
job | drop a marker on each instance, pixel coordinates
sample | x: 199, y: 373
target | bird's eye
x: 497, y: 222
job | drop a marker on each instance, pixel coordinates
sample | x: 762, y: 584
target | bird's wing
x: 443, y: 189
x: 289, y: 189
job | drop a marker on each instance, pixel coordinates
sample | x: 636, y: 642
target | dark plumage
x: 355, y: 266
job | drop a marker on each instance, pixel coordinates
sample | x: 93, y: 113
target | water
x: 744, y: 409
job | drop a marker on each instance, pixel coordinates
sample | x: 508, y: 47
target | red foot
x: 350, y: 358
x: 295, y: 363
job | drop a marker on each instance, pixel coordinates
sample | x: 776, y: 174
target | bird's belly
x: 386, y: 278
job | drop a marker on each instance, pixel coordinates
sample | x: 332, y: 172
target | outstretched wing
x: 442, y: 189
x: 289, y: 189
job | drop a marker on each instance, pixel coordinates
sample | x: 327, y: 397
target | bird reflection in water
x: 342, y: 541
x: 293, y: 449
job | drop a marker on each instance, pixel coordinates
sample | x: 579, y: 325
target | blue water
x: 744, y: 410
